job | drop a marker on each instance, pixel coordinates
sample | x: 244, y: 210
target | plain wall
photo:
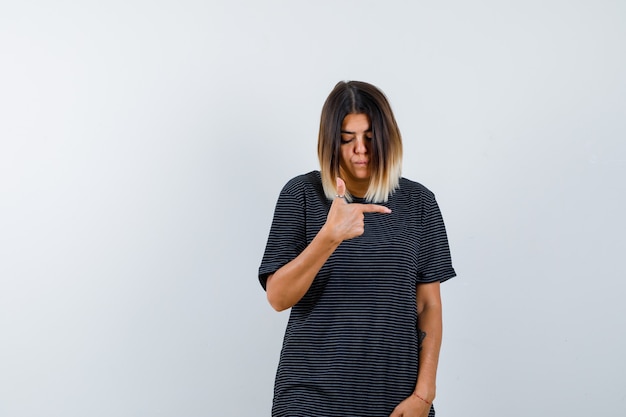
x: 143, y: 146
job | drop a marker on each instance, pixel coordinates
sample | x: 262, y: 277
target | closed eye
x: 347, y: 137
x: 346, y: 140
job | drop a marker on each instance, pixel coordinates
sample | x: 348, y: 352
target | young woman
x: 357, y: 252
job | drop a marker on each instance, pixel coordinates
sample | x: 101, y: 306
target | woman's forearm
x: 430, y: 323
x: 288, y: 284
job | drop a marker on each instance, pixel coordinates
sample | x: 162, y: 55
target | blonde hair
x: 357, y: 97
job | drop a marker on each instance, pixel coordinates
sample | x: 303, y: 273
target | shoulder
x: 414, y: 189
x: 305, y: 182
x: 305, y: 186
x: 419, y: 200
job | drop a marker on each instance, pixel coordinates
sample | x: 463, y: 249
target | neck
x: 357, y: 189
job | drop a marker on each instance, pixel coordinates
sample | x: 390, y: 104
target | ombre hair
x: 357, y: 97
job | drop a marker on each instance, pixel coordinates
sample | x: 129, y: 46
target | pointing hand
x: 345, y: 220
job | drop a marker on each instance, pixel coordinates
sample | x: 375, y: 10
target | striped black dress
x: 351, y: 343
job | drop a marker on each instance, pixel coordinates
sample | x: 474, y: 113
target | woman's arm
x: 288, y: 284
x: 429, y: 321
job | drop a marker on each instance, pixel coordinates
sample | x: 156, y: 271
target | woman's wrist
x: 421, y: 398
x: 425, y: 392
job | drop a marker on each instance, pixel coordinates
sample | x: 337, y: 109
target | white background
x: 143, y: 146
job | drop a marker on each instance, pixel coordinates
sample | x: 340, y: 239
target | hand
x: 345, y: 220
x: 411, y: 407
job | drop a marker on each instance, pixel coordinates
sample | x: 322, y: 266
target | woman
x: 357, y: 252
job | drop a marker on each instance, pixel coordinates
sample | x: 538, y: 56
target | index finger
x: 374, y: 208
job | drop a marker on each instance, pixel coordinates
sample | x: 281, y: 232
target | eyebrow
x: 352, y: 133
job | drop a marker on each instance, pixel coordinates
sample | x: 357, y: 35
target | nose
x: 360, y: 145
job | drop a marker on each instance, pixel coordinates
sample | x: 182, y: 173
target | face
x: 356, y: 138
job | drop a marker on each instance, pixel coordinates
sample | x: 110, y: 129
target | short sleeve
x: 434, y: 260
x: 287, y: 237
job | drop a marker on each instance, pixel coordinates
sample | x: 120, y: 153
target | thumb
x: 341, y: 188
